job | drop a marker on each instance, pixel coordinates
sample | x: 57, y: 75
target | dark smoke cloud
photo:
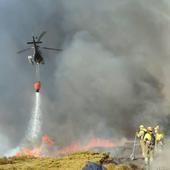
x: 111, y: 75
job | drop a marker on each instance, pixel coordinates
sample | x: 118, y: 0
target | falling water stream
x: 35, y: 122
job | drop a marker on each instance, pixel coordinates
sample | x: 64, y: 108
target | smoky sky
x: 111, y: 76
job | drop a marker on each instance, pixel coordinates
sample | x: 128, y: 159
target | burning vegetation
x: 47, y: 147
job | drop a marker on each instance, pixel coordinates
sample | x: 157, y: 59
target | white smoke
x: 5, y: 143
x: 161, y: 159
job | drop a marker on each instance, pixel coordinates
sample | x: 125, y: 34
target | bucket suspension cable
x: 37, y: 67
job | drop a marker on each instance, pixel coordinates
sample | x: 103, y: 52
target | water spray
x: 35, y: 123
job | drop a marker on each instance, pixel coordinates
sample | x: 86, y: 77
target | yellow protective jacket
x: 159, y: 137
x: 141, y: 133
x: 147, y: 137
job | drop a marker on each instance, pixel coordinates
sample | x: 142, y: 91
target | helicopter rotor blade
x: 47, y: 48
x: 21, y: 51
x: 41, y: 35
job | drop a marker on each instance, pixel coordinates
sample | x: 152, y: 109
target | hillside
x: 74, y: 161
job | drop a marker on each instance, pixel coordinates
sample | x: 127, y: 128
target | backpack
x: 93, y: 166
x: 153, y: 139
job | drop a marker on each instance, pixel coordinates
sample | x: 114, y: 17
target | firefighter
x: 159, y: 137
x: 149, y: 145
x: 140, y: 134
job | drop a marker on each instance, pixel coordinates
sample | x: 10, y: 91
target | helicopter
x: 37, y: 58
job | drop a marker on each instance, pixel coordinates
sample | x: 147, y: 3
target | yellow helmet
x: 157, y: 127
x: 141, y: 126
x: 150, y: 129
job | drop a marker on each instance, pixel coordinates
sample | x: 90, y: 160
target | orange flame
x: 46, y: 139
x: 74, y: 147
x: 35, y: 152
x: 29, y: 152
x: 95, y: 142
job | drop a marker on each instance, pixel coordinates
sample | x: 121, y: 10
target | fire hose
x: 132, y: 156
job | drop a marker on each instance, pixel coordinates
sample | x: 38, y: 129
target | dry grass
x: 74, y: 161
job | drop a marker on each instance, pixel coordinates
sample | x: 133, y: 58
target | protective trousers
x: 142, y: 145
x: 148, y: 153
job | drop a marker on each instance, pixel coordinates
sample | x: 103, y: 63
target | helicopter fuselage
x: 38, y: 59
